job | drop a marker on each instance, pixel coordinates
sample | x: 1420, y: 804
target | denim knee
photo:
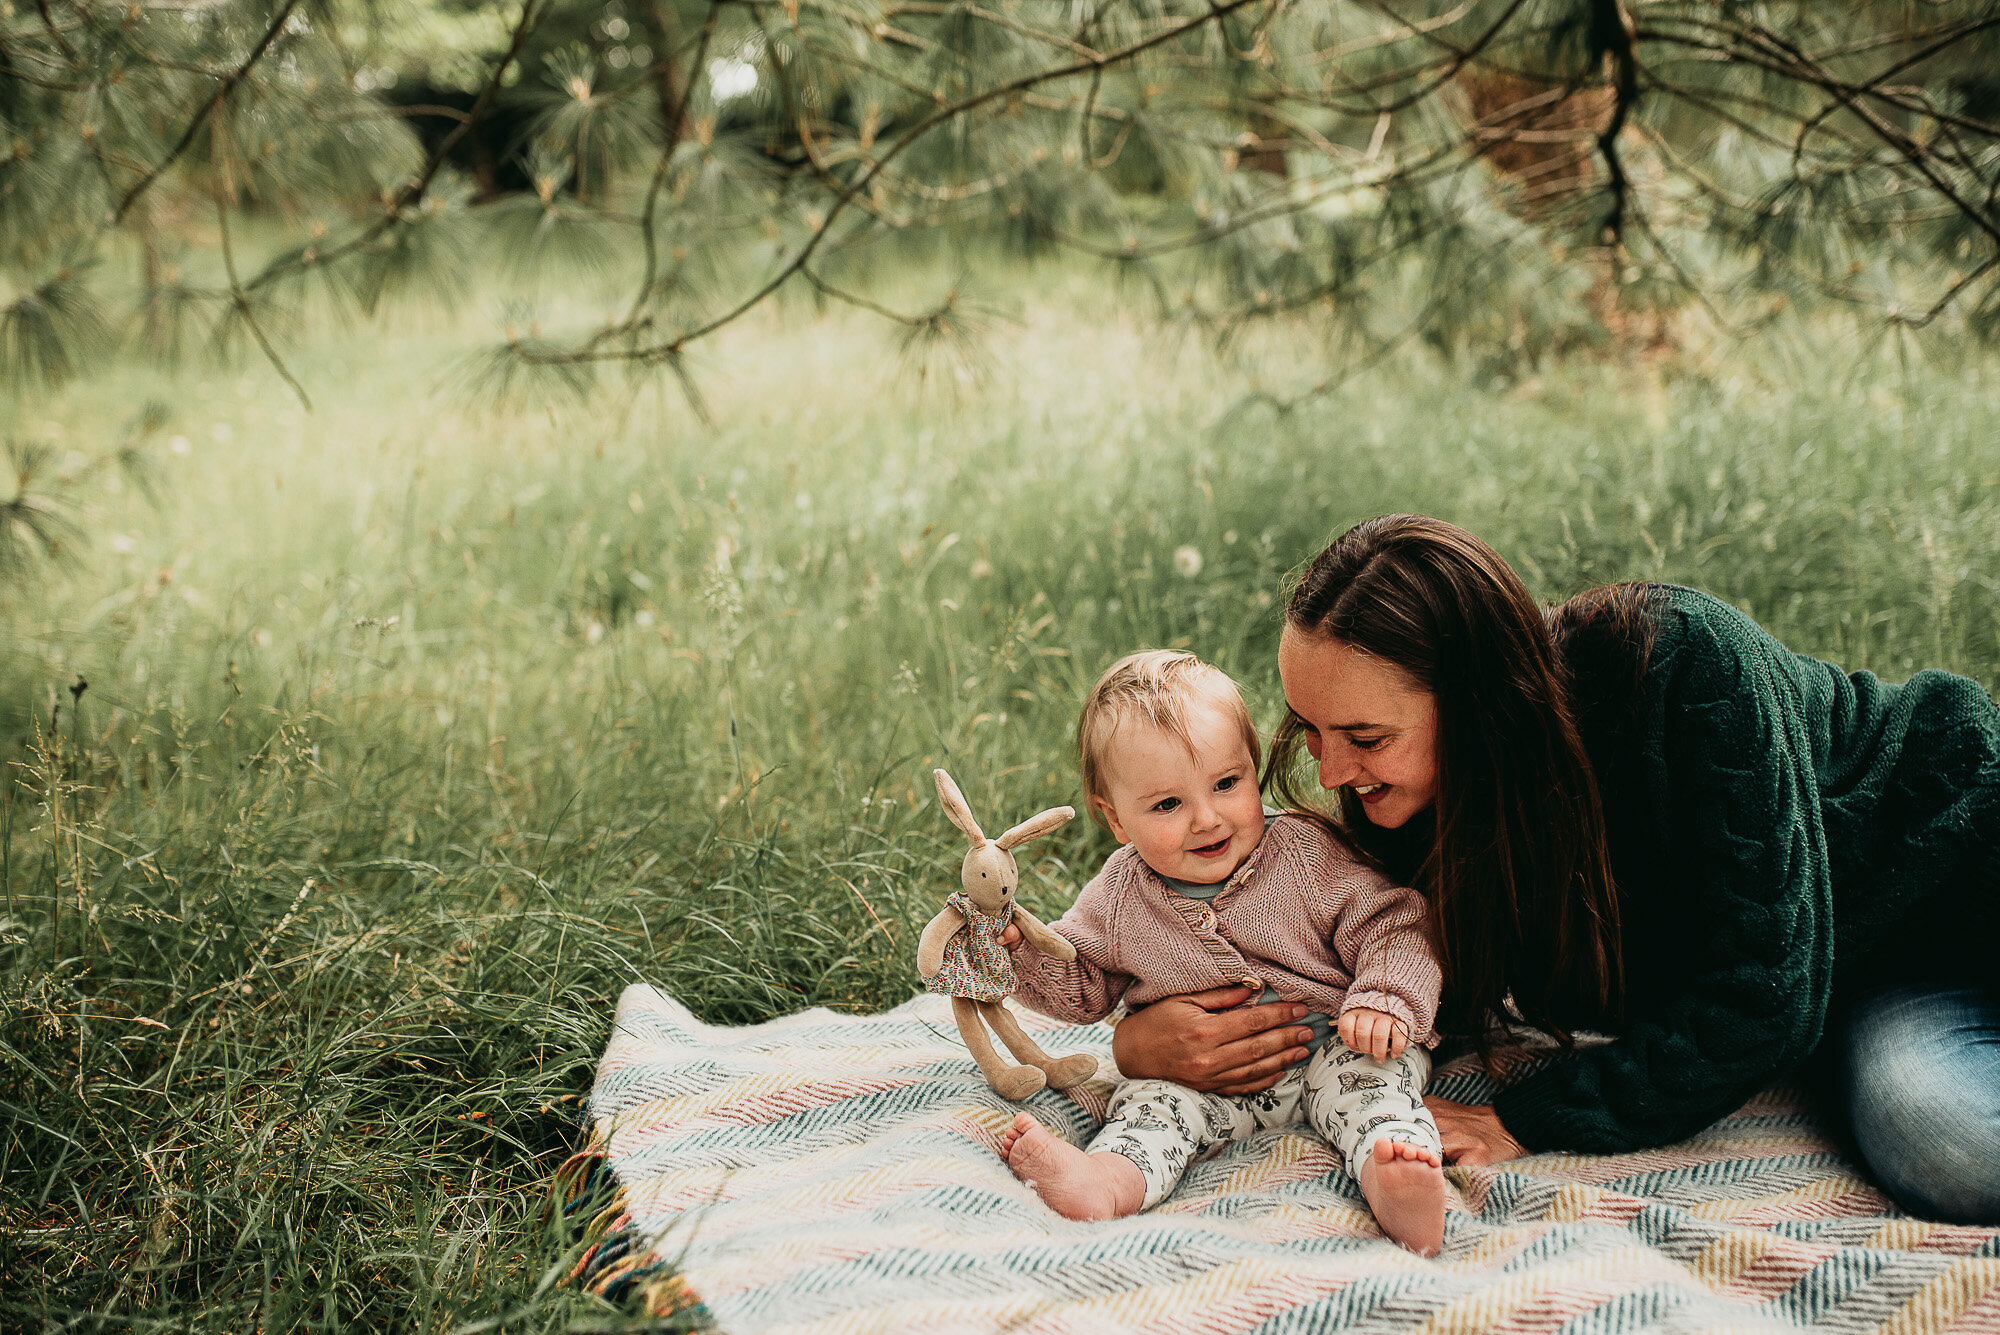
x: 1923, y: 1090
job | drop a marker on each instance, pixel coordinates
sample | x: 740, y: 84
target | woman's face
x: 1370, y: 727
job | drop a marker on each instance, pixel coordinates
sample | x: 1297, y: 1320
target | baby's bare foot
x: 1404, y: 1185
x: 1073, y: 1184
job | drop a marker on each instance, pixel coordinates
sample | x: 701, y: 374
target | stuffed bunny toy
x: 960, y: 955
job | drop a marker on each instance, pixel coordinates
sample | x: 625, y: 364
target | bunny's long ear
x: 1035, y: 826
x: 954, y: 807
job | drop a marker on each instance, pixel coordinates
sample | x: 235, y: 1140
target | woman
x: 1638, y: 813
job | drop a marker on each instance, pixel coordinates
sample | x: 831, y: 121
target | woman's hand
x: 1201, y: 1042
x: 1376, y: 1034
x: 1472, y: 1133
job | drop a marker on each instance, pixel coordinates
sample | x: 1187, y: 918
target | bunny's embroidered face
x: 989, y: 876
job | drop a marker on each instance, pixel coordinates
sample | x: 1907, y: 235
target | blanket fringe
x: 616, y: 1264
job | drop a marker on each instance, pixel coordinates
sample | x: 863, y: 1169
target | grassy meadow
x: 419, y: 725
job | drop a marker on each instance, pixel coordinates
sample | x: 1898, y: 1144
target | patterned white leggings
x: 1351, y: 1099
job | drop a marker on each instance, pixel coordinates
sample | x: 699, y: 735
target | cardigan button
x: 1208, y: 920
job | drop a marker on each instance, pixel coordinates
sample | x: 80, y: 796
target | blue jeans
x: 1923, y: 1096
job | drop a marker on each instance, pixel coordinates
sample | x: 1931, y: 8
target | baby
x: 1205, y: 893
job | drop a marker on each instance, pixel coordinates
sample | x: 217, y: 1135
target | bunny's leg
x: 1061, y: 1071
x: 1011, y: 1082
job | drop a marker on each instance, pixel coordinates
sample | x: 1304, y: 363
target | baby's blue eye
x: 1164, y: 805
x: 1228, y: 783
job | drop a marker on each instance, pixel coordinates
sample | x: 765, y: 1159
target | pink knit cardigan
x: 1302, y: 914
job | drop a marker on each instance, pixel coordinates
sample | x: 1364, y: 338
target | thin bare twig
x: 673, y: 136
x: 229, y: 83
x: 1625, y: 83
x: 237, y: 294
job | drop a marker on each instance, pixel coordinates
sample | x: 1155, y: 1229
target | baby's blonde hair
x: 1157, y: 686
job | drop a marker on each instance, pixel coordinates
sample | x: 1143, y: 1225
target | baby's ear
x: 1110, y: 817
x: 1035, y: 827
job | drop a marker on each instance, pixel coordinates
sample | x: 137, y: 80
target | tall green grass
x: 415, y: 728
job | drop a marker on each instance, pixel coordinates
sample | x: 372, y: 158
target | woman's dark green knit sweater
x: 1782, y: 834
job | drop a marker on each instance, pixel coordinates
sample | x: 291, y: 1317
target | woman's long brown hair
x: 1513, y: 861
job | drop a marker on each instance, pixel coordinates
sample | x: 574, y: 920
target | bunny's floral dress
x: 976, y: 966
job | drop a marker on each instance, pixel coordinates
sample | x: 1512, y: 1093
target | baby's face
x: 1192, y: 817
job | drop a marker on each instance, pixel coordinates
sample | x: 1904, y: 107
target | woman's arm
x: 1212, y: 1042
x: 1728, y: 918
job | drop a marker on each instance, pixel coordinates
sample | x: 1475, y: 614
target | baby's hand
x: 1376, y: 1034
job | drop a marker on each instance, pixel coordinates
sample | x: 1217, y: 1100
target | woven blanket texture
x: 838, y: 1173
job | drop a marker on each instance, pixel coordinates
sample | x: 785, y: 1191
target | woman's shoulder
x: 1706, y: 645
x: 1645, y: 635
x: 1682, y: 613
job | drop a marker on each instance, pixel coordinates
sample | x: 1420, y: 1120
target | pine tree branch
x: 1912, y: 152
x: 593, y: 349
x: 1874, y: 86
x: 214, y: 105
x: 794, y: 113
x: 1287, y: 205
x: 1779, y: 61
x: 1460, y: 57
x: 241, y: 298
x: 1951, y: 295
x: 825, y: 288
x: 1617, y: 21
x: 673, y: 128
x: 1403, y: 31
x: 412, y: 191
x: 62, y: 42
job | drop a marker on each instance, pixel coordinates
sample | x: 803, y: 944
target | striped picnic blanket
x: 836, y: 1173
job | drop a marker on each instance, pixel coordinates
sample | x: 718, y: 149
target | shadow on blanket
x: 829, y: 1172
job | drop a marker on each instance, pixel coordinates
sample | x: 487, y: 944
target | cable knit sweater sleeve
x: 1728, y: 917
x: 1088, y: 988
